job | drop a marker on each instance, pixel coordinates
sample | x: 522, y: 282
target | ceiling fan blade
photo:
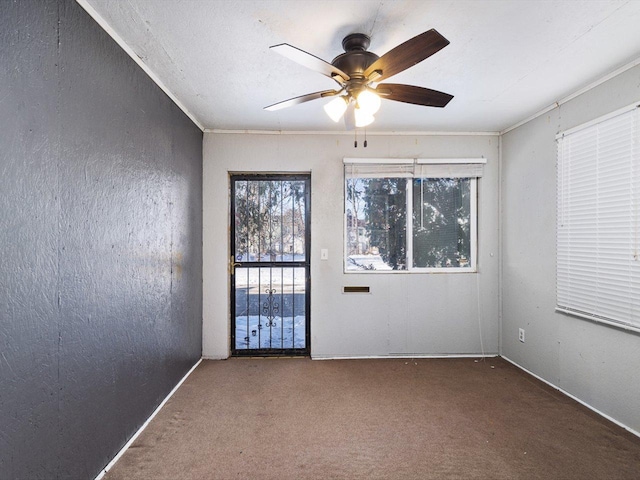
x: 310, y: 61
x: 415, y: 95
x: 301, y: 99
x: 407, y: 54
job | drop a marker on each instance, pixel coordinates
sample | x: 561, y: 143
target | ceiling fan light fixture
x: 363, y: 118
x: 359, y: 73
x: 368, y: 101
x: 336, y: 108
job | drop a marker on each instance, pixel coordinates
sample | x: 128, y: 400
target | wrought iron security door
x: 270, y: 274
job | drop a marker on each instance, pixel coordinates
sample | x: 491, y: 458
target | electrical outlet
x: 521, y: 334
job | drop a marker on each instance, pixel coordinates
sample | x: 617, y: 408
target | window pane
x: 269, y: 220
x: 441, y: 222
x: 243, y: 207
x: 376, y: 223
x: 294, y: 219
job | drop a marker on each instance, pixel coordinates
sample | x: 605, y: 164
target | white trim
x: 402, y: 356
x: 412, y: 161
x: 475, y: 213
x: 530, y: 118
x: 390, y: 161
x: 144, y: 425
x: 119, y: 40
x: 600, y: 119
x: 596, y: 319
x: 573, y: 397
x: 350, y: 133
x: 408, y: 227
x: 414, y: 271
x: 577, y: 93
x: 500, y: 245
x: 436, y: 270
x: 438, y: 161
x: 345, y: 245
x: 215, y: 357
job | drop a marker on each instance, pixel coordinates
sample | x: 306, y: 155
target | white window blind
x: 598, y: 220
x: 441, y: 170
x: 418, y: 168
x: 358, y: 170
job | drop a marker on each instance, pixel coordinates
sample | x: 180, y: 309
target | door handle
x: 233, y: 264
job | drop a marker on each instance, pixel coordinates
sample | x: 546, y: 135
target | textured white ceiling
x: 507, y: 59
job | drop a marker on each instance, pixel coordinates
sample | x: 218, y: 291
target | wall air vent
x: 355, y: 289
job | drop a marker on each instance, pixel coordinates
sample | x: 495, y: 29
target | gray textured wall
x: 594, y: 362
x: 101, y: 243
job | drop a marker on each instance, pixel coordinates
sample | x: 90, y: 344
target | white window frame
x: 473, y: 232
x: 474, y: 169
x: 593, y: 267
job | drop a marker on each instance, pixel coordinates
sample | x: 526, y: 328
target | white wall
x: 596, y: 363
x: 405, y: 314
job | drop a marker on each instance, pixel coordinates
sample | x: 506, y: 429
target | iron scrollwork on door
x: 270, y: 308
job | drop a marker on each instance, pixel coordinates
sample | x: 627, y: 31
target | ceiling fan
x: 358, y: 72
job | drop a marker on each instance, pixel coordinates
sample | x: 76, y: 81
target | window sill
x: 594, y: 319
x: 438, y: 271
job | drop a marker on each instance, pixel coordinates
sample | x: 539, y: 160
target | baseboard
x: 573, y: 397
x: 402, y: 356
x: 215, y: 357
x: 144, y: 425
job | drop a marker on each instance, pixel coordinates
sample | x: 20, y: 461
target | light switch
x: 324, y: 254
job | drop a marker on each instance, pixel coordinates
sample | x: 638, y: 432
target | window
x: 411, y: 215
x: 598, y: 220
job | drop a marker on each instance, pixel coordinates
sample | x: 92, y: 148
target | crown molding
x: 350, y: 133
x: 577, y: 93
x: 120, y: 41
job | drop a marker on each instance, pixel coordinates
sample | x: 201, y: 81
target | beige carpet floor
x: 375, y: 419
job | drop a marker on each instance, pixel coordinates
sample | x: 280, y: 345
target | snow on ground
x: 286, y: 332
x: 287, y: 257
x: 285, y: 276
x: 253, y: 293
x: 366, y: 262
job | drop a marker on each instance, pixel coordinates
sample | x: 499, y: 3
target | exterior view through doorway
x: 270, y: 264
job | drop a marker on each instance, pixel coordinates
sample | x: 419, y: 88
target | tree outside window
x: 433, y: 231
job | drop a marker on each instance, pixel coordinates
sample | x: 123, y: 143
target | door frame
x: 306, y: 264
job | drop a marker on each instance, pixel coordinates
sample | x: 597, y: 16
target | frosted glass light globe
x: 368, y: 102
x: 336, y: 108
x: 363, y: 118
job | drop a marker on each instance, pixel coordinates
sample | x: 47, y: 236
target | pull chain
x: 355, y: 138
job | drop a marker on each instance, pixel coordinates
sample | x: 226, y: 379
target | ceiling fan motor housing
x: 356, y: 58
